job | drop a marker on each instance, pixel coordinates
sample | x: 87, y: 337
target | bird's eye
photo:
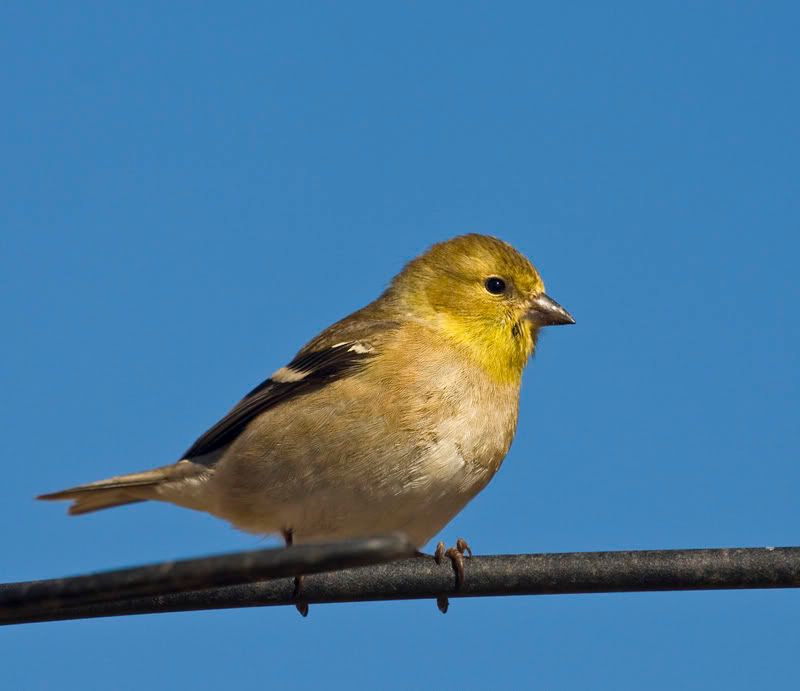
x: 495, y: 285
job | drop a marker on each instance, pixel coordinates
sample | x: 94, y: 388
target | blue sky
x: 189, y: 192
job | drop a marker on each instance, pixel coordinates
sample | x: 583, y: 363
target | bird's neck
x: 502, y: 351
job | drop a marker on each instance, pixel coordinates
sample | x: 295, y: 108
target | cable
x: 422, y: 577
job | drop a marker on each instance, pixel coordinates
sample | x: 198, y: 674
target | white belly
x: 420, y: 508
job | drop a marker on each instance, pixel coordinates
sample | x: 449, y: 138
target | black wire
x: 521, y: 574
x: 51, y: 597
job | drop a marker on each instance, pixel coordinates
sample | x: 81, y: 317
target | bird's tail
x: 116, y: 491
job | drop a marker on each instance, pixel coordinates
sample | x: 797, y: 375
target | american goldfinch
x: 391, y: 419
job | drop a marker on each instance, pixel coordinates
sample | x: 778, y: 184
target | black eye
x: 495, y: 285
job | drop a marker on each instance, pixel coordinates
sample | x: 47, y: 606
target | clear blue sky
x: 188, y: 193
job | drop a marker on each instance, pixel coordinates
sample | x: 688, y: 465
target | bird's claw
x: 456, y: 556
x: 301, y: 606
x: 463, y: 547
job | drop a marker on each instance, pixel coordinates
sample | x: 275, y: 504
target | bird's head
x: 483, y: 295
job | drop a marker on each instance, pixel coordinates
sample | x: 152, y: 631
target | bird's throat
x: 501, y: 350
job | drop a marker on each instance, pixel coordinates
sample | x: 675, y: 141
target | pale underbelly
x: 345, y: 515
x: 343, y: 519
x: 320, y: 491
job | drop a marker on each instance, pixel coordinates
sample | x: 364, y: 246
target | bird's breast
x: 465, y: 421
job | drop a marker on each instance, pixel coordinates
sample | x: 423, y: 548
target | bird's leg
x: 302, y: 607
x: 456, y: 557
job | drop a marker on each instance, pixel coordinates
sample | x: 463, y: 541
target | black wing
x: 308, y: 372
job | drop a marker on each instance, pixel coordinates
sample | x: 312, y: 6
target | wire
x: 422, y: 577
x: 43, y: 600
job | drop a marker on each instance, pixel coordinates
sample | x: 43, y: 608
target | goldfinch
x: 391, y: 419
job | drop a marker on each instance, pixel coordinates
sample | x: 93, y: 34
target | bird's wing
x: 310, y: 370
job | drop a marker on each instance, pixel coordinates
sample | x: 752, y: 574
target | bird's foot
x: 302, y: 607
x: 456, y: 556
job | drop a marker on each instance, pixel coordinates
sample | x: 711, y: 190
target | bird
x: 390, y: 420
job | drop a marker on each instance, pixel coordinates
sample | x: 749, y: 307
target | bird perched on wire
x: 391, y: 419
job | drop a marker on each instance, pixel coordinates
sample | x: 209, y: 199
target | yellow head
x: 484, y: 296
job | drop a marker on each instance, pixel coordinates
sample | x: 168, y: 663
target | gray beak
x: 544, y: 311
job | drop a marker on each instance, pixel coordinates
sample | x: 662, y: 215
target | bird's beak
x: 544, y: 311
